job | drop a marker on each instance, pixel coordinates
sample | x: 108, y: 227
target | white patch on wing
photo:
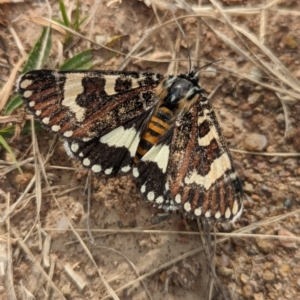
x: 25, y: 83
x: 135, y: 173
x: 110, y: 83
x: 108, y: 171
x: 227, y: 213
x: 126, y: 168
x: 68, y: 133
x: 159, y: 200
x: 72, y: 88
x: 206, y: 140
x: 74, y: 147
x: 158, y: 154
x: 208, y: 214
x: 46, y: 120
x: 96, y: 168
x: 178, y: 199
x: 143, y: 188
x: 67, y: 148
x: 198, y: 212
x: 86, y: 139
x: 86, y: 162
x: 151, y: 196
x: 55, y: 128
x: 205, y: 116
x: 218, y: 167
x: 27, y: 94
x: 218, y: 215
x: 187, y: 207
x: 121, y: 137
x: 236, y: 211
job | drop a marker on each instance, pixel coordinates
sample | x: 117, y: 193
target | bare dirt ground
x: 134, y: 253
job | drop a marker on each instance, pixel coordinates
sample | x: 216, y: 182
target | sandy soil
x: 257, y: 104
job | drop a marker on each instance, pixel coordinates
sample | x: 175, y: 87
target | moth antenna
x: 206, y: 65
x: 188, y: 48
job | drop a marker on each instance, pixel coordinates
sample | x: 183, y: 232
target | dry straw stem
x: 46, y: 251
x: 8, y: 87
x: 17, y: 41
x: 6, y: 264
x: 38, y: 164
x: 279, y: 154
x: 45, y: 22
x: 51, y: 272
x: 35, y: 263
x: 208, y: 10
x: 11, y: 1
x: 79, y: 282
x: 107, y: 232
x: 7, y: 167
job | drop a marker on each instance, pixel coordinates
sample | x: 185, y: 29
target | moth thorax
x: 182, y: 89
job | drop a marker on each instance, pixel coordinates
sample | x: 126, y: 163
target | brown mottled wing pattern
x: 99, y: 114
x: 83, y: 105
x: 200, y: 172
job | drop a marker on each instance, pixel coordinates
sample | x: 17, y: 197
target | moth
x: 161, y: 129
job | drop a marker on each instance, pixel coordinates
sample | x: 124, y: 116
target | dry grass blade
x: 17, y: 41
x: 264, y: 85
x: 51, y: 272
x: 27, y: 251
x: 286, y: 113
x: 38, y: 184
x: 46, y: 251
x: 287, y: 77
x: 266, y: 153
x: 11, y: 209
x: 43, y: 22
x: 8, y: 87
x: 78, y: 281
x: 6, y: 262
x: 7, y: 167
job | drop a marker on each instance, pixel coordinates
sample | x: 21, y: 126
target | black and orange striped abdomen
x: 158, y: 125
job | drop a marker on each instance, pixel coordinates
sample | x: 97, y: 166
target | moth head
x: 183, y: 88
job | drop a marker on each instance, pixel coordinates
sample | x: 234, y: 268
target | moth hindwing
x: 163, y: 130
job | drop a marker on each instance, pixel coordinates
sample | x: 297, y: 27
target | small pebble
x: 255, y: 73
x: 268, y: 276
x: 244, y: 278
x: 288, y: 243
x: 254, y: 98
x: 255, y: 142
x: 62, y: 223
x: 210, y: 72
x: 280, y: 118
x: 288, y: 203
x: 229, y: 101
x: 259, y: 296
x: 247, y: 291
x: 285, y: 270
x: 248, y: 187
x: 265, y: 246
